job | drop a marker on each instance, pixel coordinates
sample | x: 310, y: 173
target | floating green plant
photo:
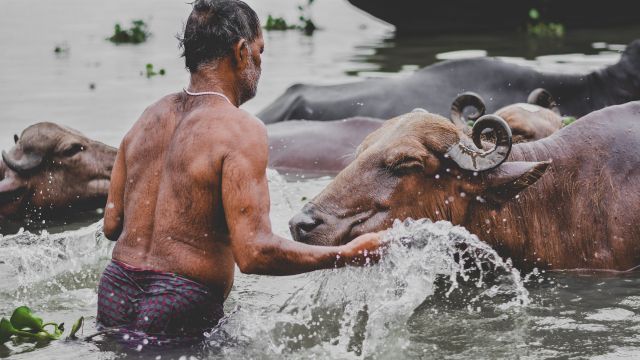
x: 136, y: 34
x: 150, y: 72
x: 76, y: 326
x: 61, y: 49
x: 305, y: 24
x: 568, y: 120
x: 277, y: 24
x: 539, y: 28
x: 24, y: 324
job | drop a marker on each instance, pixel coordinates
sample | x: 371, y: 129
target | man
x: 189, y: 197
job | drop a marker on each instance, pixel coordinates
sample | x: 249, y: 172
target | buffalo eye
x: 72, y: 150
x: 15, y: 138
x: 408, y: 164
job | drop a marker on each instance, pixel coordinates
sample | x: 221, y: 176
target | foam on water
x: 37, y: 268
x: 357, y: 312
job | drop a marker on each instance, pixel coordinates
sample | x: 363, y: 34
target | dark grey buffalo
x: 316, y: 147
x: 433, y: 87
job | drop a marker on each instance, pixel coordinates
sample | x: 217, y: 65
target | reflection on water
x: 392, y: 54
x: 401, y: 308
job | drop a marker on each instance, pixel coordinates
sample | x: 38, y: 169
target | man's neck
x: 211, y: 79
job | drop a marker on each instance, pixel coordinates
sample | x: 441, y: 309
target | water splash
x: 52, y: 268
x: 357, y: 312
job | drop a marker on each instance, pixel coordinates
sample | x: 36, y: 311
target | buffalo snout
x: 304, y: 223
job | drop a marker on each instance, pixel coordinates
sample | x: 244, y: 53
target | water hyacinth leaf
x: 76, y: 326
x: 6, y: 330
x: 57, y: 331
x: 23, y: 318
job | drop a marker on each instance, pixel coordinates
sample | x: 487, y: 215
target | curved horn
x: 27, y: 163
x: 542, y: 97
x: 478, y: 160
x: 463, y: 101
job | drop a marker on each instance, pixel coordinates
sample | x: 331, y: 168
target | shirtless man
x: 189, y: 198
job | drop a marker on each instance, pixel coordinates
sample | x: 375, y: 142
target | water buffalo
x: 315, y: 147
x: 568, y: 201
x: 52, y: 171
x: 434, y: 86
x: 534, y: 120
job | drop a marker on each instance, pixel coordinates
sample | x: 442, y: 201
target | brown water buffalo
x: 52, y: 171
x: 538, y: 118
x: 567, y: 201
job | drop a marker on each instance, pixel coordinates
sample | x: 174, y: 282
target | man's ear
x: 507, y: 180
x: 241, y: 53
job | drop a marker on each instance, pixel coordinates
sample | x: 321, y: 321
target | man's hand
x: 364, y: 250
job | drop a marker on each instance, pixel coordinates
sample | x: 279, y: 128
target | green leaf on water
x: 138, y: 33
x: 568, y: 120
x: 76, y: 326
x: 25, y: 324
x: 6, y: 330
x: 23, y: 318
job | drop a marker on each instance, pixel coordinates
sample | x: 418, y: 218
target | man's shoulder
x: 231, y: 117
x: 163, y: 107
x: 232, y: 125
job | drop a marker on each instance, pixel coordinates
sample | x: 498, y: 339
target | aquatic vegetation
x: 136, y: 34
x: 150, y: 72
x: 568, y: 120
x: 61, y: 49
x: 76, y: 327
x: 305, y: 23
x: 542, y: 29
x: 277, y: 24
x: 24, y: 324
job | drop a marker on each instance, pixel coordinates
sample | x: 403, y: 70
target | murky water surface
x: 418, y: 303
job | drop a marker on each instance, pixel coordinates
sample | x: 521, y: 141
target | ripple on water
x: 613, y: 314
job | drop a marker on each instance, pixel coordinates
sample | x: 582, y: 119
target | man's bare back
x: 172, y: 160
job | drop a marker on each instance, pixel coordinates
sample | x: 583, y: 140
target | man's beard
x: 249, y: 82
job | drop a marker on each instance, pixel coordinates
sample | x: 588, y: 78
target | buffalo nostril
x: 309, y: 225
x: 302, y: 224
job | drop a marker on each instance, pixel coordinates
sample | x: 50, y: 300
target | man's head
x: 229, y: 31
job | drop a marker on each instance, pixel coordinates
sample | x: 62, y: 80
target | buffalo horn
x: 463, y: 101
x: 542, y: 97
x: 23, y: 164
x: 470, y: 158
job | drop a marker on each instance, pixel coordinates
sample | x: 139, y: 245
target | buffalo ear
x: 507, y: 180
x: 9, y: 186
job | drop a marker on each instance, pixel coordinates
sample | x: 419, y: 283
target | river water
x: 418, y: 303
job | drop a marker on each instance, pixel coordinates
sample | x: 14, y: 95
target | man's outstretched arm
x: 245, y: 196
